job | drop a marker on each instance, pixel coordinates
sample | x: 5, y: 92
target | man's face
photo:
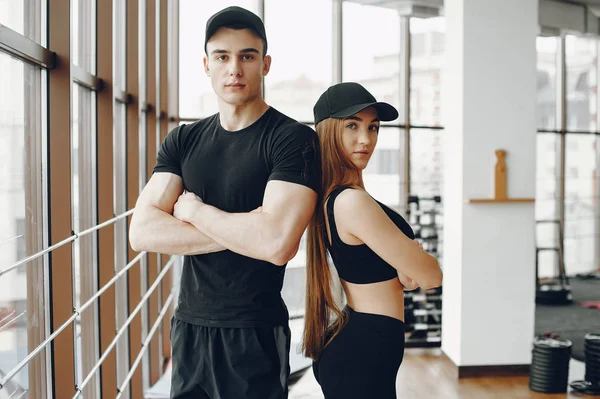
x: 236, y: 65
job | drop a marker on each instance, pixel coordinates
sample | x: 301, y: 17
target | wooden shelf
x: 494, y: 200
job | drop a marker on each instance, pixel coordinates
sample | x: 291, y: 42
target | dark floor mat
x: 572, y: 321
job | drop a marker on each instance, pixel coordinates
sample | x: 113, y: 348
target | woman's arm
x: 358, y: 215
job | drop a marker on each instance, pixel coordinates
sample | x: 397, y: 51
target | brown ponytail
x: 324, y: 319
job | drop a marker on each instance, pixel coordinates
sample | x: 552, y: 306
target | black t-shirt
x: 230, y: 170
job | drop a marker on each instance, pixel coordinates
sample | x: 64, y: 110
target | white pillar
x: 489, y: 103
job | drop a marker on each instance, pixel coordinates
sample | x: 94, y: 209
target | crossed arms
x: 167, y: 221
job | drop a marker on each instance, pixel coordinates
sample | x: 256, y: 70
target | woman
x: 357, y: 351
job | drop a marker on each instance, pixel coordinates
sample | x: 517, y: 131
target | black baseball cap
x: 235, y: 16
x: 345, y: 99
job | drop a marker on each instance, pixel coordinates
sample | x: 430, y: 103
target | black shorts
x: 229, y: 363
x: 363, y: 360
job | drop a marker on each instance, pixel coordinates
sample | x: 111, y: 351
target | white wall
x: 489, y: 103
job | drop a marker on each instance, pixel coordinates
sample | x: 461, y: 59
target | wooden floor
x: 427, y: 374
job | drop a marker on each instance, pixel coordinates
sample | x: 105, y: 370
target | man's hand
x: 186, y: 206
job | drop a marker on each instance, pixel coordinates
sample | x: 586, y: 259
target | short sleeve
x: 296, y: 157
x: 169, y: 157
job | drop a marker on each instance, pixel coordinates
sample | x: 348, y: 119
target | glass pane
x: 120, y: 54
x: 296, y: 81
x: 427, y: 40
x: 121, y: 245
x: 582, y: 95
x: 547, y: 180
x: 294, y: 286
x: 547, y: 188
x: 84, y: 262
x: 196, y: 96
x: 580, y: 204
x: 546, y: 84
x: 84, y: 35
x: 371, y: 39
x: 22, y: 290
x: 383, y: 176
x: 426, y: 172
x: 24, y: 17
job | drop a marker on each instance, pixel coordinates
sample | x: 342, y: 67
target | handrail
x: 9, y: 239
x: 65, y: 241
x: 76, y: 313
x: 8, y: 324
x: 89, y: 376
x: 10, y: 314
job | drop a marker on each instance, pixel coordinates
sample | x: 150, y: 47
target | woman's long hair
x: 337, y: 170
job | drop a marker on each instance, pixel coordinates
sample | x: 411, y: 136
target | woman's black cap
x: 346, y: 99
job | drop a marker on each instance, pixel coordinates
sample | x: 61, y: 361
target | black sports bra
x: 358, y: 264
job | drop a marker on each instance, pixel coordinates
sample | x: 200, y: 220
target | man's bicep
x: 162, y: 191
x: 291, y: 203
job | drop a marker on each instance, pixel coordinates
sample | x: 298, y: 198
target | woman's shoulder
x: 352, y: 199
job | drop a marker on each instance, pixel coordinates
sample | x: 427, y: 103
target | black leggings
x: 363, y: 360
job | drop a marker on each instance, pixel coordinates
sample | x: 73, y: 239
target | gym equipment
x: 592, y: 359
x: 555, y: 291
x: 591, y: 384
x: 549, y: 371
x: 423, y: 308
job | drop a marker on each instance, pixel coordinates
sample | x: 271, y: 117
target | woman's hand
x: 408, y: 283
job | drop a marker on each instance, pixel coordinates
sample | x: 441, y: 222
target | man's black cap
x: 346, y: 99
x: 235, y: 16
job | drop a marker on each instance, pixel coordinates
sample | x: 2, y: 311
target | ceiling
x: 588, y: 2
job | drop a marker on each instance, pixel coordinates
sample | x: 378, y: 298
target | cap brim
x: 385, y: 111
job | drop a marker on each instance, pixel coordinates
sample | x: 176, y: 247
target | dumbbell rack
x: 423, y: 308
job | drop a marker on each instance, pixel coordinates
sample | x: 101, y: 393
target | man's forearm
x: 153, y: 230
x: 253, y: 234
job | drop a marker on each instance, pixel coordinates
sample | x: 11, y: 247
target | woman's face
x: 359, y: 136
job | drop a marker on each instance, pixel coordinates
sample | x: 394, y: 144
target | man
x: 234, y: 192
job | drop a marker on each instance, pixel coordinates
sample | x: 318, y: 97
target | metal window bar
x: 65, y: 241
x: 76, y: 312
x: 125, y: 326
x: 25, y: 49
x: 10, y: 314
x: 2, y: 242
x: 145, y: 344
x: 11, y: 322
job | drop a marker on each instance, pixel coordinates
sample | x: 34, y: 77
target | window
x: 382, y: 176
x: 580, y: 203
x: 547, y: 159
x: 22, y: 290
x: 582, y: 68
x: 24, y: 17
x: 21, y: 247
x: 371, y: 56
x: 84, y: 37
x: 426, y: 162
x: 546, y: 86
x: 384, y: 162
x: 300, y: 70
x: 427, y: 54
